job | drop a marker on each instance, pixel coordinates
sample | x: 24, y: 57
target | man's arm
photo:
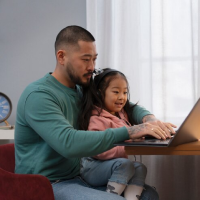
x: 45, y: 117
x: 141, y: 130
x: 145, y: 119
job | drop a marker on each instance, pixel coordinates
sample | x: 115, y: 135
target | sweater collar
x: 63, y: 87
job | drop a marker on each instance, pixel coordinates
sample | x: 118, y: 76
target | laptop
x: 189, y: 131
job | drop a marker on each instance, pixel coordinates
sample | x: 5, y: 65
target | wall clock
x: 5, y: 108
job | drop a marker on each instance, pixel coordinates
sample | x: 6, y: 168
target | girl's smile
x: 116, y: 95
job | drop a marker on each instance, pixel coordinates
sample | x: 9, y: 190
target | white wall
x: 28, y: 31
x: 198, y: 92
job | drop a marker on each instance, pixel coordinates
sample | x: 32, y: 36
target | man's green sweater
x: 47, y: 139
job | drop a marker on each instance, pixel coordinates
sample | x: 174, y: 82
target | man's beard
x: 74, y: 78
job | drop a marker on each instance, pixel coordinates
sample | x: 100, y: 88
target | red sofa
x: 20, y: 186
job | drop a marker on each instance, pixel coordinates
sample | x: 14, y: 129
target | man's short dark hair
x: 70, y: 36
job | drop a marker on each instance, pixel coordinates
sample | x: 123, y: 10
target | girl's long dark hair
x: 92, y: 98
x: 87, y: 105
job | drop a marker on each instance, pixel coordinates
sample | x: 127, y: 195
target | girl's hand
x: 141, y: 130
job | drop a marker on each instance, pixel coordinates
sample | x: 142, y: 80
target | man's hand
x: 168, y: 128
x: 141, y: 130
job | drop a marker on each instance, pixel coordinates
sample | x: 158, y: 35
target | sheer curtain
x: 155, y: 44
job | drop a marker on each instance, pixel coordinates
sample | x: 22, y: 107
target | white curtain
x: 155, y: 44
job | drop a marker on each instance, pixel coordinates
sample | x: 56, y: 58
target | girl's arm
x: 98, y: 123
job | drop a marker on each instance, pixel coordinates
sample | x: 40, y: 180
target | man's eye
x: 125, y: 92
x: 86, y: 60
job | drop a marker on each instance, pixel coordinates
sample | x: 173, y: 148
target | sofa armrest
x: 24, y: 186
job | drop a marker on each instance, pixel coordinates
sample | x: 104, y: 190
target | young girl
x: 110, y: 108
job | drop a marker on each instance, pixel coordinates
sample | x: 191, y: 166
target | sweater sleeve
x: 138, y: 113
x: 99, y: 123
x: 47, y: 120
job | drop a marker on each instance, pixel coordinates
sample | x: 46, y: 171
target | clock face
x: 5, y: 107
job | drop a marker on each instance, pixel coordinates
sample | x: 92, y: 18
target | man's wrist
x: 148, y: 118
x: 134, y: 131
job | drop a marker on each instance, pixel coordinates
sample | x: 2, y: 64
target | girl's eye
x: 125, y: 92
x: 116, y: 92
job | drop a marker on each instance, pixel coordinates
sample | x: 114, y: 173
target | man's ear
x: 61, y: 56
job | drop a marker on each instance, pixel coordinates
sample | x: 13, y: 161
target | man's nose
x: 91, y: 65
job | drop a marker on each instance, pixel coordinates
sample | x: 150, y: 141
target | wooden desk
x: 192, y: 148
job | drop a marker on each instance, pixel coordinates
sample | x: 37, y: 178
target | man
x: 47, y: 139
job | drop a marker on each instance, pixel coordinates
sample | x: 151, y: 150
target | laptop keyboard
x: 159, y: 141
